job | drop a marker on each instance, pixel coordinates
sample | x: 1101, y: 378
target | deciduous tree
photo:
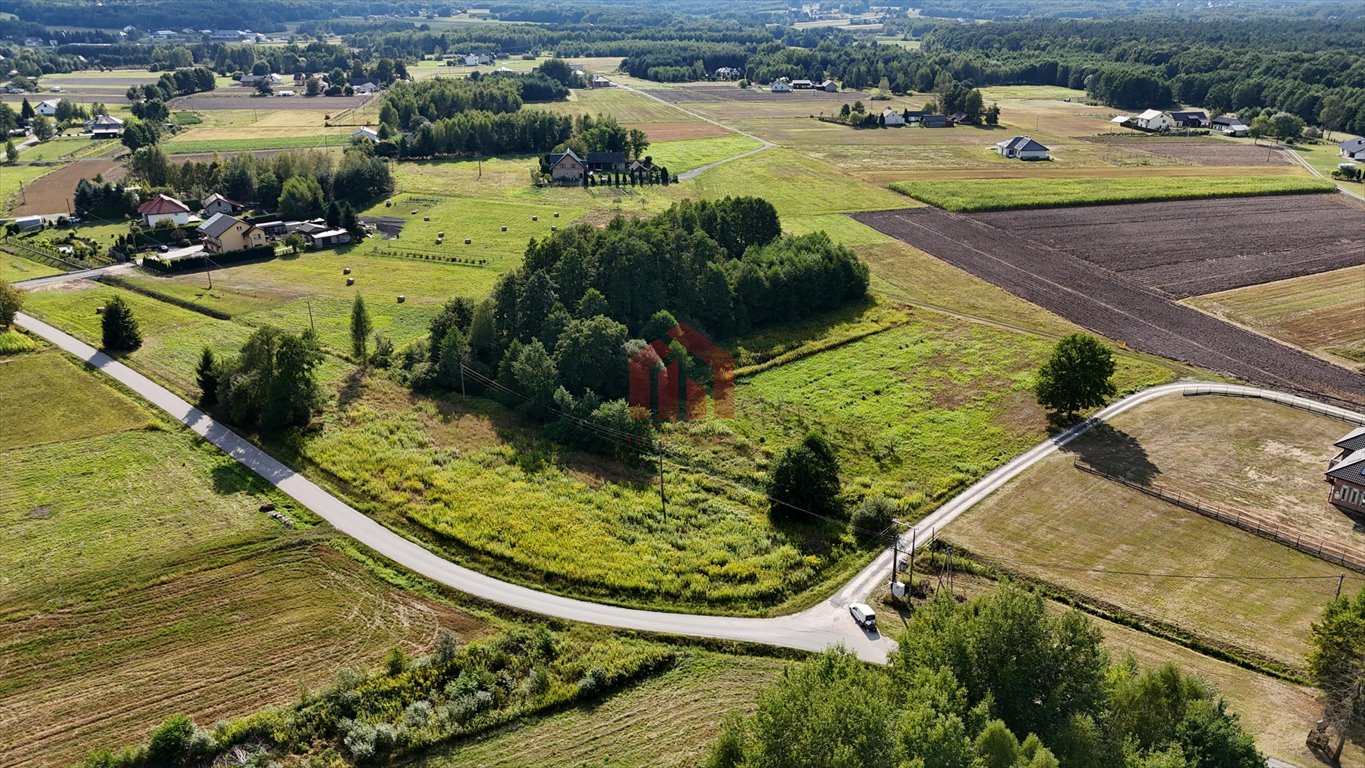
x: 1077, y: 376
x: 805, y: 479
x: 11, y: 301
x: 1337, y: 664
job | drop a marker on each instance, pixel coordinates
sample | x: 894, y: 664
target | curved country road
x: 814, y: 629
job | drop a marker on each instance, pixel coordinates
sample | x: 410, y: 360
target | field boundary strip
x: 1247, y: 521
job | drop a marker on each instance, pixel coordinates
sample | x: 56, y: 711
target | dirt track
x: 1188, y: 248
x: 1112, y: 304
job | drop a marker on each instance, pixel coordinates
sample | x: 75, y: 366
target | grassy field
x: 1250, y: 455
x: 15, y: 176
x: 681, y: 156
x: 1003, y: 194
x: 282, y: 292
x: 1326, y: 157
x: 32, y: 377
x: 56, y: 149
x: 1122, y: 547
x: 1320, y: 313
x: 16, y: 268
x: 140, y: 579
x: 796, y: 185
x: 667, y: 722
x: 196, y: 144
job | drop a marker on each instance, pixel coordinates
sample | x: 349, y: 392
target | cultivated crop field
x: 48, y: 191
x: 1111, y: 304
x: 1206, y: 151
x: 1322, y: 313
x: 965, y: 195
x: 1206, y: 246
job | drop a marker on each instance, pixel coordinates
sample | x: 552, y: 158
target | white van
x: 863, y: 615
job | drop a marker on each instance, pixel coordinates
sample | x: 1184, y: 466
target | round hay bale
x: 504, y: 229
x: 441, y: 234
x: 535, y: 218
x: 99, y: 310
x: 388, y: 203
x: 413, y: 212
x: 346, y: 270
x: 402, y: 298
x: 556, y: 214
x: 468, y: 240
x: 350, y: 281
x: 426, y: 218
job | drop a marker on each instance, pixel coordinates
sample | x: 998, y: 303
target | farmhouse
x: 892, y: 117
x: 727, y: 73
x: 215, y: 204
x: 1353, y: 149
x: 104, y: 127
x: 1154, y: 120
x: 567, y: 166
x: 933, y: 121
x: 1023, y: 148
x: 48, y: 108
x: 160, y: 208
x: 600, y: 81
x: 223, y: 233
x: 273, y: 78
x: 606, y: 162
x: 1346, y: 472
x: 780, y: 86
x: 1230, y: 125
x: 367, y: 134
x: 1190, y: 118
x: 803, y: 85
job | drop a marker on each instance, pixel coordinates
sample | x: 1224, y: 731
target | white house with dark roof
x: 1352, y: 149
x: 1154, y: 120
x: 1346, y: 473
x: 1023, y: 148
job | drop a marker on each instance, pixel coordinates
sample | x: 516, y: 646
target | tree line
x: 556, y: 336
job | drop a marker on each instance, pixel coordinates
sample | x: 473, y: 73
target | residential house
x: 364, y: 89
x: 47, y: 108
x: 367, y: 133
x: 606, y: 162
x: 780, y: 86
x: 223, y: 233
x: 370, y: 84
x: 471, y: 59
x: 1229, y: 125
x: 328, y: 238
x: 892, y: 118
x: 934, y: 121
x: 104, y: 127
x: 567, y: 166
x: 1023, y: 148
x: 215, y: 204
x: 160, y: 208
x: 1190, y: 118
x: 828, y: 85
x: 1353, y: 149
x: 251, y: 80
x: 273, y: 229
x: 803, y: 85
x: 601, y: 81
x: 1346, y: 473
x: 1154, y: 120
x: 727, y: 73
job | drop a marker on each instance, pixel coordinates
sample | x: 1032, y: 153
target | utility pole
x: 462, y: 394
x: 914, y: 536
x: 663, y: 499
x: 1340, y: 579
x: 311, y: 327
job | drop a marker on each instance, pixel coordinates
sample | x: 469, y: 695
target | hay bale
x: 346, y: 270
x: 468, y: 240
x: 556, y: 214
x: 413, y: 212
x: 535, y: 218
x: 426, y: 218
x: 554, y: 229
x: 504, y: 229
x: 440, y: 234
x: 350, y: 281
x: 402, y: 298
x: 99, y: 310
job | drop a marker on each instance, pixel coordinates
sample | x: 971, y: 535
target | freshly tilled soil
x: 1110, y: 303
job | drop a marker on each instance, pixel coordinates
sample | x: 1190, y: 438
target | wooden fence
x: 1349, y: 557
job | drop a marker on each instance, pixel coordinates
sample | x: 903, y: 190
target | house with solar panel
x: 1346, y: 473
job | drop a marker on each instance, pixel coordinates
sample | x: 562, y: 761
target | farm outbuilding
x: 1353, y: 149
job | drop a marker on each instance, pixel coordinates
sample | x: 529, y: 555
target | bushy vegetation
x: 996, y: 683
x: 1337, y: 664
x: 11, y: 301
x: 272, y: 383
x: 412, y: 704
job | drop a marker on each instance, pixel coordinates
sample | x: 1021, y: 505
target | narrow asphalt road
x: 813, y: 629
x: 695, y: 172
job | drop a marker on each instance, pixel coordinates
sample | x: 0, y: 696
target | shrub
x: 593, y: 683
x: 874, y: 515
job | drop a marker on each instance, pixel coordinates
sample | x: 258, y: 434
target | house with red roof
x: 163, y: 208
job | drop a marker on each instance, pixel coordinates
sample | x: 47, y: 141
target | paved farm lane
x: 1112, y: 305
